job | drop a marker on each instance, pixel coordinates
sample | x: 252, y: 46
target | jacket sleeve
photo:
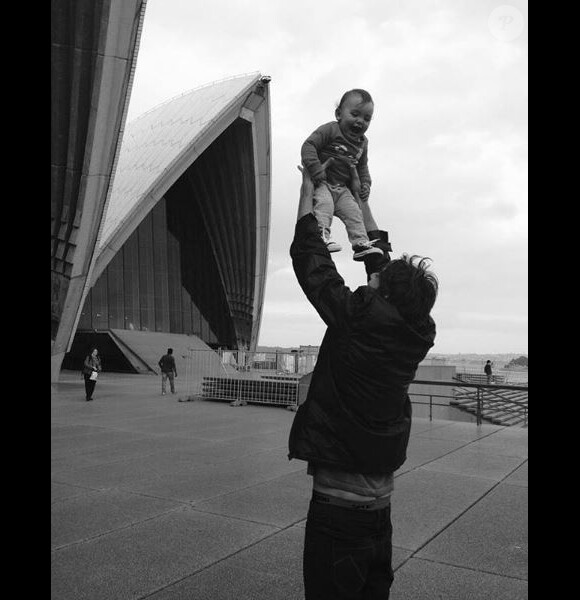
x: 310, y: 151
x: 317, y: 274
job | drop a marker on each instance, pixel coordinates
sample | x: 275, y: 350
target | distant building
x: 309, y: 349
x: 185, y: 240
x: 184, y: 245
x: 94, y: 46
x: 170, y: 234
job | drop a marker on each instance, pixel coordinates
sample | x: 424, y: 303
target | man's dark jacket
x: 357, y: 414
x: 167, y: 363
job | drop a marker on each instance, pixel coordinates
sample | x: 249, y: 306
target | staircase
x: 148, y: 347
x: 498, y: 406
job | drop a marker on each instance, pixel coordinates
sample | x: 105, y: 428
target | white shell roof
x: 155, y: 140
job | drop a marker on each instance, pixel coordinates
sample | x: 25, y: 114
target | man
x: 488, y: 371
x: 168, y: 371
x: 354, y: 425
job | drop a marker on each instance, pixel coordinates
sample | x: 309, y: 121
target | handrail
x: 455, y: 383
x: 479, y: 396
x: 518, y: 406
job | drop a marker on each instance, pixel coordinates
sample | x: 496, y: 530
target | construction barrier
x: 246, y: 377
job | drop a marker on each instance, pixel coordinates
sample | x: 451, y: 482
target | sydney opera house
x: 159, y: 226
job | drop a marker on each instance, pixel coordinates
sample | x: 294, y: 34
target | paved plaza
x: 166, y: 500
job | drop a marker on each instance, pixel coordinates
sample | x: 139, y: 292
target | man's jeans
x: 347, y: 553
x: 164, y: 377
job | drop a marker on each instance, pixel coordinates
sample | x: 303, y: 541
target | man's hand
x: 307, y: 190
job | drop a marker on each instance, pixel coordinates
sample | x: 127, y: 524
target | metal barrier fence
x: 241, y: 376
x: 274, y: 378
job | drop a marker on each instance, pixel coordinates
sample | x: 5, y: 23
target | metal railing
x: 500, y: 403
x: 500, y: 375
x: 277, y: 378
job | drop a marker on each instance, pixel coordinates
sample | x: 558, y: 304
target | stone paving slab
x: 491, y: 537
x: 421, y: 451
x: 133, y: 562
x: 87, y: 516
x: 60, y: 431
x: 132, y: 449
x: 269, y: 570
x: 62, y: 491
x: 427, y: 580
x: 508, y: 441
x: 476, y: 462
x: 426, y: 502
x: 122, y: 472
x: 225, y: 582
x: 448, y: 430
x: 519, y: 476
x: 280, y: 502
x: 209, y: 480
x: 81, y: 442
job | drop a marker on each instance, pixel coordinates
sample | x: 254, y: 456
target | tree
x: 521, y: 361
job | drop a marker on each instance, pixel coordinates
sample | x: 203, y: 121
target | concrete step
x: 150, y: 346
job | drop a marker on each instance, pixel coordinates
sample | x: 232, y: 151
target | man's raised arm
x: 306, y: 194
x: 305, y: 202
x: 312, y: 263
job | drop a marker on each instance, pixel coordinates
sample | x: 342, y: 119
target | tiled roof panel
x: 155, y: 140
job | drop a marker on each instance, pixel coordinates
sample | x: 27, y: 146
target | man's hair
x: 365, y: 96
x: 169, y: 350
x: 409, y: 286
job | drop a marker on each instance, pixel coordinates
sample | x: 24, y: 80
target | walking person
x: 488, y: 372
x: 168, y: 371
x: 353, y: 428
x: 91, y: 369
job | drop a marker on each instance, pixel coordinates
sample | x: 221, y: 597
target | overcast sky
x: 447, y: 144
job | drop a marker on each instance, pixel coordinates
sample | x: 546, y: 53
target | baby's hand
x: 365, y: 190
x: 355, y: 186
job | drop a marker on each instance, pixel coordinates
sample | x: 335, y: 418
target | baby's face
x: 354, y: 116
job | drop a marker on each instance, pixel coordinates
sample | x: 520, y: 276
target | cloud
x: 447, y: 145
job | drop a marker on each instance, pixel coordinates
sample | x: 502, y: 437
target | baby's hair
x: 365, y: 96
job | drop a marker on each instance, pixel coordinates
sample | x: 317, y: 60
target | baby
x: 336, y: 189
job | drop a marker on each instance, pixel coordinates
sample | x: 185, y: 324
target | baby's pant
x: 338, y: 200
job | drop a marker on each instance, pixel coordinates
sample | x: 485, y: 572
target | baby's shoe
x: 330, y: 245
x: 364, y: 249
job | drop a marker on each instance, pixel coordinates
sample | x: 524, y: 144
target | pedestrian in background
x: 91, y: 369
x: 168, y: 371
x: 488, y: 371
